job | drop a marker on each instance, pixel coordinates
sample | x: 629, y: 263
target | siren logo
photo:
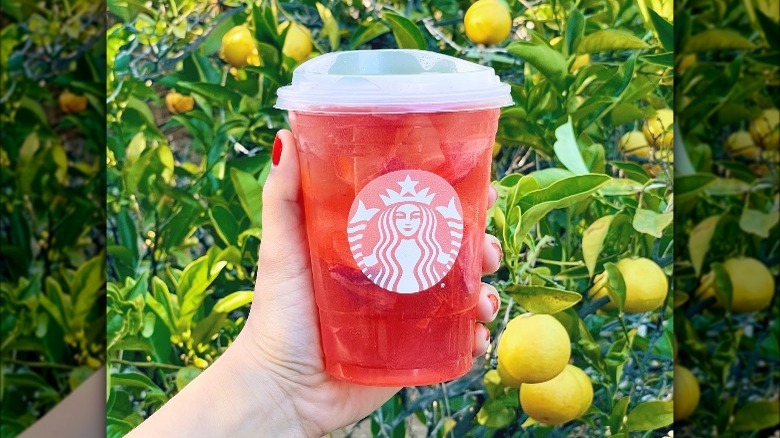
x: 405, y: 230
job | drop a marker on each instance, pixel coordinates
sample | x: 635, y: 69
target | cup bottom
x: 410, y: 377
x: 393, y: 350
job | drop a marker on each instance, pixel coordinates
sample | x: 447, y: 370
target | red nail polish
x: 494, y: 302
x: 276, y: 152
x: 497, y: 246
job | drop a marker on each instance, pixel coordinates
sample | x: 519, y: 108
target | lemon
x: 658, y: 128
x: 507, y: 378
x: 635, y: 144
x: 765, y: 130
x: 297, y: 43
x: 254, y: 58
x: 533, y: 348
x: 646, y: 284
x: 178, y: 103
x: 752, y: 285
x: 487, y: 22
x: 561, y: 399
x: 741, y: 144
x: 686, y: 392
x: 72, y: 103
x: 237, y: 46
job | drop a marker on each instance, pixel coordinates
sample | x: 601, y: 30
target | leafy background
x: 184, y: 191
x: 52, y: 270
x: 727, y: 207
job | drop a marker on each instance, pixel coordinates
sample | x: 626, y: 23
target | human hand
x: 277, y: 359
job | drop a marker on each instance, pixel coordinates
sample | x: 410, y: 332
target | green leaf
x: 757, y: 415
x: 138, y: 380
x: 652, y: 223
x: 618, y: 413
x: 544, y: 58
x: 250, y: 194
x: 406, y: 33
x: 606, y: 40
x: 567, y: 151
x: 214, y: 93
x: 722, y: 285
x: 186, y: 375
x: 716, y: 40
x: 87, y: 286
x: 662, y: 59
x: 224, y: 223
x: 233, y: 301
x: 688, y: 186
x: 616, y: 286
x: 194, y: 281
x: 367, y: 32
x: 545, y: 300
x: 560, y: 194
x: 650, y: 415
x: 770, y: 28
x: 664, y: 29
x: 699, y: 241
x: 575, y: 26
x: 632, y: 171
x: 621, y: 187
x: 757, y: 222
x: 593, y: 241
x: 329, y: 26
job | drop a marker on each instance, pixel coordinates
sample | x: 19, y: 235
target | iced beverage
x: 395, y: 200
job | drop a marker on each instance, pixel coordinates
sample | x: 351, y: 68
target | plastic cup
x: 395, y: 153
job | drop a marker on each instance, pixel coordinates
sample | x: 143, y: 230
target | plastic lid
x: 392, y: 81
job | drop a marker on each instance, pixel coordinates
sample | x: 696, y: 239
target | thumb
x: 284, y: 252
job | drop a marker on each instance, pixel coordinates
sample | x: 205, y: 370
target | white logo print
x: 405, y: 230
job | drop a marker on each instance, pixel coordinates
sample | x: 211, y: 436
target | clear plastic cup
x: 395, y: 153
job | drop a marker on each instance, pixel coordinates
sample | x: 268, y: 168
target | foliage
x: 53, y: 266
x: 183, y: 199
x: 729, y: 209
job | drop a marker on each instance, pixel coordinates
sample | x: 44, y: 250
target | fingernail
x: 276, y: 152
x: 497, y: 246
x: 495, y: 302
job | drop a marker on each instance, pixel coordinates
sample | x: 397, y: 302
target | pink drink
x: 395, y: 203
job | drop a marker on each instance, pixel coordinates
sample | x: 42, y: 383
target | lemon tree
x: 190, y: 95
x: 726, y: 309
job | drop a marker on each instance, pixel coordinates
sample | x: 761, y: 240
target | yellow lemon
x: 533, y: 348
x: 487, y: 22
x: 507, y: 378
x: 686, y: 392
x: 765, y: 129
x: 178, y: 103
x: 741, y: 144
x: 635, y: 144
x: 559, y: 400
x: 752, y: 285
x: 658, y: 128
x: 237, y: 46
x: 297, y: 43
x: 72, y: 103
x: 646, y: 284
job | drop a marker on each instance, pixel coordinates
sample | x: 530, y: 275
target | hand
x: 273, y: 375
